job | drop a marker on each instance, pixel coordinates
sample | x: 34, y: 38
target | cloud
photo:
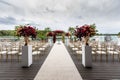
x: 8, y: 20
x: 62, y: 14
x: 6, y: 3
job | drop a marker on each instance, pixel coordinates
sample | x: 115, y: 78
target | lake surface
x: 102, y: 38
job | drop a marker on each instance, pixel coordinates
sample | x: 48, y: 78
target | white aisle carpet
x: 58, y: 65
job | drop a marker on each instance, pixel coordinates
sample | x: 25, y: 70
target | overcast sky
x: 61, y: 14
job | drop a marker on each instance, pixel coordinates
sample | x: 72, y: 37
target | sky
x: 61, y: 14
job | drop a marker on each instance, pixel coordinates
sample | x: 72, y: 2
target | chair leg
x: 119, y: 57
x: 101, y: 57
x: 106, y: 57
x: 1, y: 57
x: 6, y: 57
x: 18, y: 58
x: 113, y: 57
x: 78, y: 57
x: 95, y: 56
x: 11, y: 57
x: 39, y: 54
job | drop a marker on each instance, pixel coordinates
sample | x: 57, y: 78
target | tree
x: 119, y: 33
x: 7, y: 32
x: 41, y: 34
x: 47, y: 29
x: 71, y: 30
x: 16, y: 27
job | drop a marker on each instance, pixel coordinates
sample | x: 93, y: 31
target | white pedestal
x: 86, y: 56
x: 66, y: 41
x: 26, y: 56
x: 50, y: 40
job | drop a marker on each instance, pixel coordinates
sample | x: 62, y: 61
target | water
x: 12, y: 38
x: 97, y: 38
x: 102, y: 38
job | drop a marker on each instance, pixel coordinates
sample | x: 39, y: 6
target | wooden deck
x: 13, y: 70
x: 101, y: 70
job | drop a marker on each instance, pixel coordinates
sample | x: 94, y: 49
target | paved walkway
x: 58, y: 66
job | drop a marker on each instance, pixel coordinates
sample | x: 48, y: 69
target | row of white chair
x: 13, y: 50
x: 99, y: 50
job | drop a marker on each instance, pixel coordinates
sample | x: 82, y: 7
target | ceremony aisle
x: 58, y: 65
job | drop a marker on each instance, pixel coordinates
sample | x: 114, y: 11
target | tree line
x: 42, y: 33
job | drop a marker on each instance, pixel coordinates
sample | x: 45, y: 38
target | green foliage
x: 16, y: 27
x: 47, y: 29
x: 94, y: 31
x: 41, y: 34
x: 100, y: 34
x: 7, y: 32
x: 71, y: 30
x: 119, y: 34
x: 63, y: 38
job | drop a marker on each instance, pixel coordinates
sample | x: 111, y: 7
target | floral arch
x: 58, y: 35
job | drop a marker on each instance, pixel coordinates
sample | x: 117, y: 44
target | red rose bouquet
x: 85, y: 31
x: 26, y: 31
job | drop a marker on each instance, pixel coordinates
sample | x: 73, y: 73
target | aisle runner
x: 58, y: 66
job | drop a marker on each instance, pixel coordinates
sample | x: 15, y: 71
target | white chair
x: 94, y: 49
x: 3, y: 51
x: 36, y: 54
x: 11, y: 52
x: 113, y: 50
x: 101, y: 50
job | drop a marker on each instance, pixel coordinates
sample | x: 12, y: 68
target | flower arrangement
x: 85, y: 31
x: 50, y: 34
x: 58, y: 31
x: 26, y: 31
x: 67, y: 34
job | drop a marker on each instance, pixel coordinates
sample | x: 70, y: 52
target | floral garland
x: 50, y: 34
x: 58, y: 31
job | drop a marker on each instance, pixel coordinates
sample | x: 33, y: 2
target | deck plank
x: 101, y: 70
x: 13, y: 70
